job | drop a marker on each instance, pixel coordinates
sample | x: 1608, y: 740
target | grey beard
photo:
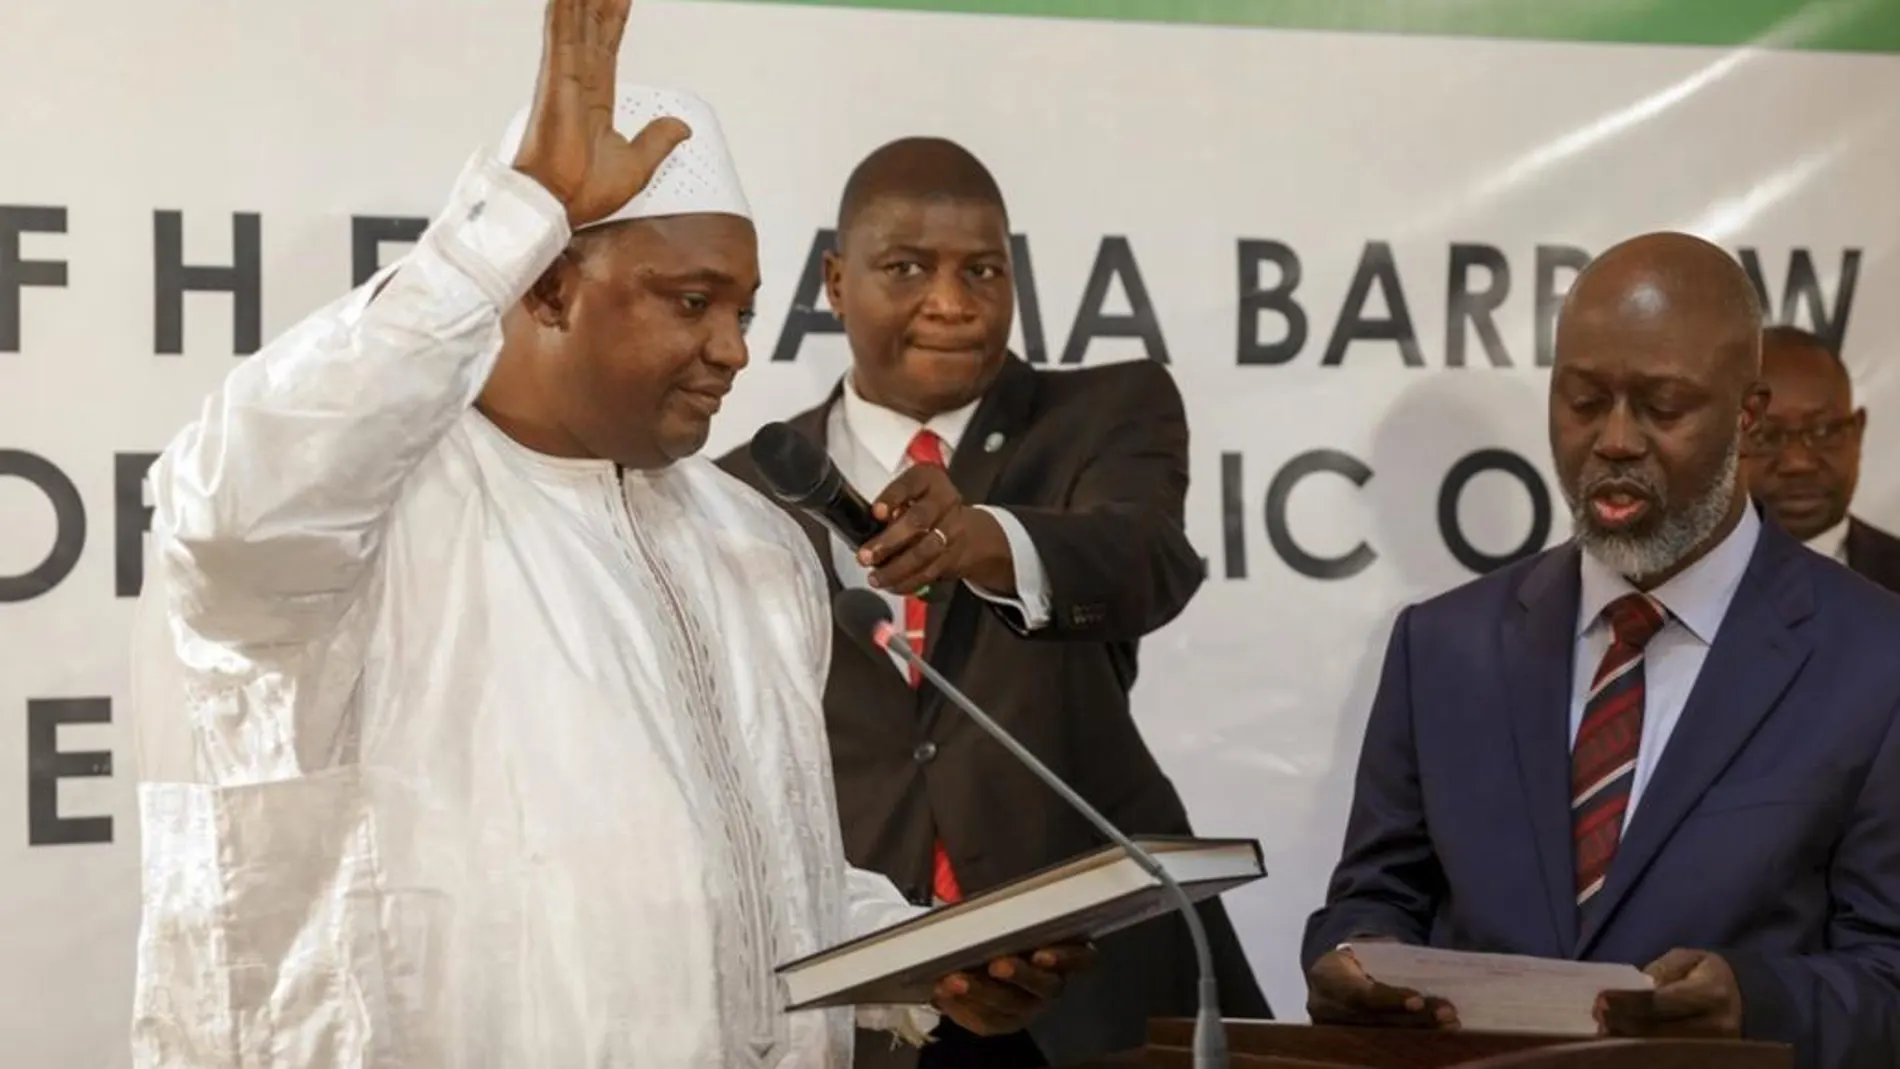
x: 1639, y: 557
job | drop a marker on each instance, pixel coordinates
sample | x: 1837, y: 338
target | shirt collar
x: 1832, y: 542
x: 886, y: 435
x: 1698, y: 596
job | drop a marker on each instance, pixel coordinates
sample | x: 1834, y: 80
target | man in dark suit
x: 1672, y: 742
x: 1048, y: 506
x: 1803, y: 461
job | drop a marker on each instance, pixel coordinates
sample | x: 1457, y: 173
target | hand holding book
x: 1001, y: 953
x: 1008, y: 994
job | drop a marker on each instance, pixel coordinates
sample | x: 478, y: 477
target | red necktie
x: 1603, y: 759
x: 927, y: 448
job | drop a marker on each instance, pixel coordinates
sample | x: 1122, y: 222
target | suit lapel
x: 1756, y: 655
x: 1539, y: 646
x: 1873, y: 553
x: 985, y: 447
x: 1860, y: 547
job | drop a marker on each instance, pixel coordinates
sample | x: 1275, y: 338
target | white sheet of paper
x: 1502, y: 992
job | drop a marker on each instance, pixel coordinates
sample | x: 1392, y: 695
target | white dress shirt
x: 1832, y: 542
x: 870, y: 443
x: 1697, y: 599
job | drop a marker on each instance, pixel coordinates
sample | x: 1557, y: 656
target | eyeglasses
x: 1817, y: 437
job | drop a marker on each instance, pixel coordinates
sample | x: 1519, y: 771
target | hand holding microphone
x: 932, y: 535
x: 917, y: 533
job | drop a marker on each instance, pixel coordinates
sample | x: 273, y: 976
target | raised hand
x: 570, y: 146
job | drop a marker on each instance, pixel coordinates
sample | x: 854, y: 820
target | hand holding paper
x: 1503, y: 992
x: 1340, y: 992
x: 1696, y: 996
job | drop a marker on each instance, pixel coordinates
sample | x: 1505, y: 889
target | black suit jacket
x: 1094, y: 463
x: 1874, y: 553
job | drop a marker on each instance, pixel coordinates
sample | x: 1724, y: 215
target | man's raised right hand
x: 1338, y: 991
x: 571, y: 146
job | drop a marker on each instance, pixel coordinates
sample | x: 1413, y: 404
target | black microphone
x: 867, y: 618
x: 799, y: 473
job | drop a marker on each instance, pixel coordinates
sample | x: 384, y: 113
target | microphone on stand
x: 800, y: 474
x: 866, y: 617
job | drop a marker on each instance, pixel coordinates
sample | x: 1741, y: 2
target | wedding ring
x: 941, y: 537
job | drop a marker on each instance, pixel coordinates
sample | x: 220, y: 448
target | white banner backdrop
x: 179, y: 181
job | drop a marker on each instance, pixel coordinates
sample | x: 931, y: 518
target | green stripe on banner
x: 1815, y: 25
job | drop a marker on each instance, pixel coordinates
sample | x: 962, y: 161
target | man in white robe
x: 479, y: 720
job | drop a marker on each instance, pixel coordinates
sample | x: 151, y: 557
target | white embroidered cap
x: 698, y: 177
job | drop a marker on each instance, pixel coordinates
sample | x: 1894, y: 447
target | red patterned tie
x: 927, y: 448
x: 1603, y: 759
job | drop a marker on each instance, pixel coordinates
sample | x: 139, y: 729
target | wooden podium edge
x: 1405, y: 1048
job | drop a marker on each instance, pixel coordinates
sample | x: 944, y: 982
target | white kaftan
x: 453, y: 755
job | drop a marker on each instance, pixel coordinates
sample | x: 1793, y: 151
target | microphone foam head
x: 864, y: 616
x: 792, y: 465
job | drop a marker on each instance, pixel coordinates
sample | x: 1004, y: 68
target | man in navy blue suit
x: 1673, y: 741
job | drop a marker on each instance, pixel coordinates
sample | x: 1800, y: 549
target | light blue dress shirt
x: 1697, y: 599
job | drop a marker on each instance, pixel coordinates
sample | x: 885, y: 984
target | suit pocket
x: 1761, y: 794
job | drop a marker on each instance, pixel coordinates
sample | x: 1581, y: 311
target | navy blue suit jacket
x: 1770, y: 832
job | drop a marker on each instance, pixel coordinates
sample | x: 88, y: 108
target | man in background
x: 1672, y: 742
x: 1804, y: 457
x: 1048, y: 507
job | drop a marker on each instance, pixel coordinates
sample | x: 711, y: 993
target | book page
x: 1502, y: 992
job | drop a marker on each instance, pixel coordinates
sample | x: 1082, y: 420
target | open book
x: 1085, y: 898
